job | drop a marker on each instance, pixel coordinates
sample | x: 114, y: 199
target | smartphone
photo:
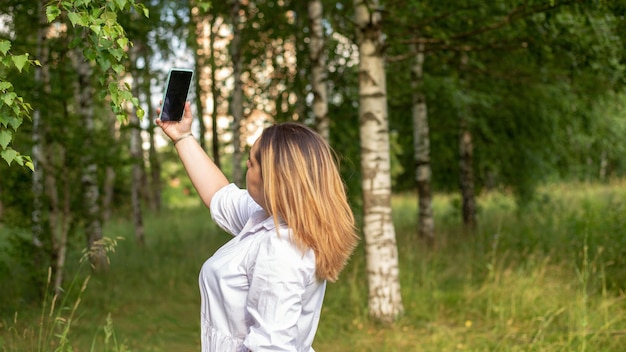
x: 175, y: 96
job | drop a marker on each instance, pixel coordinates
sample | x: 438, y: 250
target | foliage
x: 535, y: 75
x: 58, y: 315
x: 13, y: 107
x: 105, y: 42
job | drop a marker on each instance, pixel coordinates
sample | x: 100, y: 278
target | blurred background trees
x: 480, y: 95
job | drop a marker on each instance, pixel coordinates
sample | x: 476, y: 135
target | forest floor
x: 546, y: 277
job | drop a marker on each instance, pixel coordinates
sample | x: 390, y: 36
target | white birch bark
x: 236, y: 104
x: 385, y: 301
x: 215, y: 92
x: 421, y: 144
x: 318, y: 68
x: 199, y: 63
x: 37, y: 184
x: 60, y: 217
x: 83, y: 94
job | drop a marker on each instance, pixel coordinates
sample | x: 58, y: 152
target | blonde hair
x: 302, y: 187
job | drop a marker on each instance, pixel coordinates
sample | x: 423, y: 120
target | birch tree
x: 236, y: 104
x: 136, y: 155
x: 195, y: 32
x: 83, y: 95
x: 385, y: 301
x: 318, y: 68
x: 215, y: 92
x: 37, y: 185
x: 101, y: 41
x: 421, y: 145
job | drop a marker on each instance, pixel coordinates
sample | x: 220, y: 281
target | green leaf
x: 15, y: 122
x: 114, y: 92
x: 5, y: 46
x: 95, y: 13
x: 95, y: 28
x: 20, y: 61
x: 140, y: 113
x: 122, y: 42
x: 90, y: 53
x: 105, y: 64
x: 79, y: 18
x: 118, y: 68
x: 8, y: 98
x: 52, y: 12
x: 74, y: 18
x: 9, y: 155
x: 121, y: 4
x: 5, y: 138
x: 118, y: 54
x: 204, y: 5
x: 4, y: 86
x: 29, y: 163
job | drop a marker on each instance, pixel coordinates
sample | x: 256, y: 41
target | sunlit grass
x: 546, y: 277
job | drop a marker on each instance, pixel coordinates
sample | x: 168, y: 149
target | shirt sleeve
x: 278, y: 281
x: 231, y: 208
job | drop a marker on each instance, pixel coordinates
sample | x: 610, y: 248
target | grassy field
x: 548, y: 277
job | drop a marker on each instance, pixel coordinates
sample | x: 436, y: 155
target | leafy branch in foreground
x: 13, y: 108
x: 103, y: 41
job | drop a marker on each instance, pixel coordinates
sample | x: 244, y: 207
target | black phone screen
x: 178, y: 84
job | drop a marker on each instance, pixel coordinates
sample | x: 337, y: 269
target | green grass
x: 548, y: 277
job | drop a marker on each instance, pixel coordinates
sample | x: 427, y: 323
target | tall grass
x: 548, y: 277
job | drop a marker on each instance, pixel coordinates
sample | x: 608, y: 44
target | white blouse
x: 259, y: 291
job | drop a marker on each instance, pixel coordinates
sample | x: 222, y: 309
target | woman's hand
x: 175, y: 129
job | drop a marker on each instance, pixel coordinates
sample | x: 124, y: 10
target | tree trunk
x: 421, y: 144
x: 385, y: 301
x: 466, y: 156
x: 37, y: 182
x: 60, y: 219
x: 318, y: 69
x: 37, y: 185
x: 136, y: 155
x: 137, y: 176
x: 84, y: 93
x: 153, y: 156
x: 236, y: 105
x: 200, y: 63
x: 215, y: 95
x: 108, y: 187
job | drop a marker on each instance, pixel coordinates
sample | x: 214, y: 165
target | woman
x: 293, y: 231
